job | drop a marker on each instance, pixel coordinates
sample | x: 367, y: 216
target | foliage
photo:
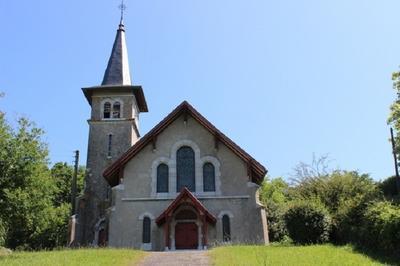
x: 294, y: 255
x: 381, y: 227
x: 27, y: 189
x: 345, y: 194
x: 394, y: 116
x: 2, y: 233
x: 74, y: 257
x: 389, y: 188
x: 308, y: 222
x: 62, y: 174
x: 273, y: 194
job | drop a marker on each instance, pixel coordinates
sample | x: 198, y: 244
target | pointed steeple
x: 117, y: 72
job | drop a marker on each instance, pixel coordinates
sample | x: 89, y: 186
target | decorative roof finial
x: 122, y: 7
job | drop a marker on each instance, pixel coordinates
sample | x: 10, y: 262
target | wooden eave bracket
x: 154, y: 142
x: 185, y: 115
x: 216, y: 141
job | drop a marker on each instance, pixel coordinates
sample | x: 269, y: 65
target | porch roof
x: 183, y: 196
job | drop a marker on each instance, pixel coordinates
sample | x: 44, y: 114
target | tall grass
x: 72, y: 257
x: 294, y: 255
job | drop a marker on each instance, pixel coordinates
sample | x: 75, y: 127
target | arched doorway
x: 185, y: 222
x: 102, y: 242
x: 186, y: 230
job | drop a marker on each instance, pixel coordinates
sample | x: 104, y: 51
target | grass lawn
x: 74, y: 257
x: 292, y: 255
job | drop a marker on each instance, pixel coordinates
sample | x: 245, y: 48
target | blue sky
x: 283, y: 79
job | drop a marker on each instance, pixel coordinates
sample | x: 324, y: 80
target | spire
x: 117, y: 72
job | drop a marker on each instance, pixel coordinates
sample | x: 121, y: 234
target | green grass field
x: 221, y: 256
x: 85, y: 257
x: 282, y: 255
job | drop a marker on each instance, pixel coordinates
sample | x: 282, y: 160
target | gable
x: 256, y: 171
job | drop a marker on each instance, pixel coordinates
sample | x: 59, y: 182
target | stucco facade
x: 235, y: 195
x: 205, y: 194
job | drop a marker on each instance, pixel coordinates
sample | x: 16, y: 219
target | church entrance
x: 185, y: 222
x: 186, y: 236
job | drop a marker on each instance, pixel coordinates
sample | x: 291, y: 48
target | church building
x: 183, y: 185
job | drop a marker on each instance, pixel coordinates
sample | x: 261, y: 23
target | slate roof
x: 117, y: 72
x: 256, y: 171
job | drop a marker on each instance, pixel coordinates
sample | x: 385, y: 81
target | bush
x: 273, y: 195
x: 389, y: 189
x: 308, y: 222
x: 345, y: 194
x: 3, y: 232
x: 277, y: 231
x: 380, y: 229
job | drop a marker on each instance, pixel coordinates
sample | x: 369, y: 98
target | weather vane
x: 122, y: 7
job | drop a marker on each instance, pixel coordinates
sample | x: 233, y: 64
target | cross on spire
x: 122, y: 7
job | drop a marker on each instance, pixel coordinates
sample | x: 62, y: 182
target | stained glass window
x: 107, y: 110
x: 226, y: 228
x: 146, y: 230
x: 162, y: 178
x: 185, y: 168
x: 208, y: 177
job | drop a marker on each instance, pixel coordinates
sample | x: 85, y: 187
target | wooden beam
x: 185, y: 116
x: 216, y: 141
x: 154, y: 142
x: 249, y: 170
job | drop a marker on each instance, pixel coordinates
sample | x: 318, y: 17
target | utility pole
x: 73, y: 185
x: 395, y: 161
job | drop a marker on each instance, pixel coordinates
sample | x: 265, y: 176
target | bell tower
x: 113, y: 128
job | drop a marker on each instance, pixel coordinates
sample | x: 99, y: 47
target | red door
x: 186, y: 236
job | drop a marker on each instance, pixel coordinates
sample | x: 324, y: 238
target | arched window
x: 107, y: 110
x: 208, y: 177
x: 185, y: 169
x: 116, y: 110
x: 146, y: 230
x: 162, y: 178
x: 226, y: 228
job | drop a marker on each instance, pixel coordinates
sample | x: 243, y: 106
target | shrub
x: 273, y: 194
x: 277, y: 231
x: 346, y: 195
x: 389, y: 189
x: 308, y: 222
x: 380, y: 229
x: 3, y: 232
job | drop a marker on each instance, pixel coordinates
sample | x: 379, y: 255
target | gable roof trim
x: 256, y: 170
x: 185, y: 193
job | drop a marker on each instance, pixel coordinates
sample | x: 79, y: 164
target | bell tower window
x: 107, y: 110
x: 116, y: 110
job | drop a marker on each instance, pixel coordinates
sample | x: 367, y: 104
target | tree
x: 345, y: 194
x: 62, y: 174
x: 389, y: 188
x: 273, y: 194
x: 27, y: 189
x: 394, y: 116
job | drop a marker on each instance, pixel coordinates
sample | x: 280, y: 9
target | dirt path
x: 176, y: 258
